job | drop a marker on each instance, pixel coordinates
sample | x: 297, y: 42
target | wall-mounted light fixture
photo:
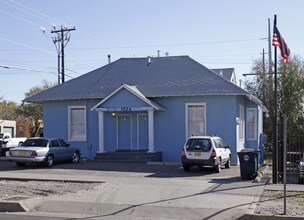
x: 113, y: 114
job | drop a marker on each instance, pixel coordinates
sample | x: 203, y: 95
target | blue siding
x: 55, y: 116
x: 170, y: 128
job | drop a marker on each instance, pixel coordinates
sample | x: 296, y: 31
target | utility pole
x: 60, y: 41
x: 275, y: 130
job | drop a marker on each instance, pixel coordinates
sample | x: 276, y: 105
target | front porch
x: 126, y: 123
x: 129, y: 156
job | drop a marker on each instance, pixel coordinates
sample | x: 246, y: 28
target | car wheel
x: 217, y: 167
x: 76, y: 157
x: 49, y: 160
x: 20, y: 164
x: 186, y: 167
x: 228, y: 163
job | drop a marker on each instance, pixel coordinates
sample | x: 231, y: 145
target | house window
x: 251, y: 124
x: 241, y: 123
x: 77, y: 123
x: 195, y: 119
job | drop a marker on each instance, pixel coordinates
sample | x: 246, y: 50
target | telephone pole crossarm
x: 61, y: 38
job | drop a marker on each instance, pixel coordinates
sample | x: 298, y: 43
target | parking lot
x: 137, y: 190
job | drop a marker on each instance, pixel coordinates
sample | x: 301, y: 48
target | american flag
x: 278, y: 41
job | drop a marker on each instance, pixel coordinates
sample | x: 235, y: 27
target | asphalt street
x: 139, y: 191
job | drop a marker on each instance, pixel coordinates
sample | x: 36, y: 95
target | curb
x: 163, y: 163
x: 12, y: 206
x: 261, y: 173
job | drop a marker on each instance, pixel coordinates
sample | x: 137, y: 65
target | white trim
x: 134, y: 91
x: 186, y: 115
x: 241, y: 121
x: 151, y: 131
x: 138, y: 137
x: 131, y: 143
x: 101, y: 132
x: 69, y: 121
x: 133, y: 109
x: 255, y: 124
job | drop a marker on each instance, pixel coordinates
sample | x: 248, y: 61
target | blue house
x: 151, y: 105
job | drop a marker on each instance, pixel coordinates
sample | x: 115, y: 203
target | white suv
x: 205, y: 151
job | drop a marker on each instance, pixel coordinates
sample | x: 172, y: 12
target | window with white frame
x: 77, y: 123
x: 195, y: 119
x: 251, y: 124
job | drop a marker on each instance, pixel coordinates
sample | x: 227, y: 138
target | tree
x: 290, y: 91
x: 34, y: 111
x: 8, y: 110
x: 262, y: 86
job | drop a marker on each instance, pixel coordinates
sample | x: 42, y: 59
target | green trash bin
x: 249, y: 163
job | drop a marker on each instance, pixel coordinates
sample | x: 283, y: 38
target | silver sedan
x: 44, y: 150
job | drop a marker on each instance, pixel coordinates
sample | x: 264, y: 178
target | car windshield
x: 35, y: 143
x: 198, y: 144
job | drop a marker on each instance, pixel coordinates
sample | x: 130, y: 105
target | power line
x: 21, y: 19
x: 27, y: 69
x: 25, y: 45
x: 27, y: 10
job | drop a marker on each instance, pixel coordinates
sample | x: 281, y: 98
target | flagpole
x: 275, y: 145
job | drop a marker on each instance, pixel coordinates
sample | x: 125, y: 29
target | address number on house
x: 126, y: 109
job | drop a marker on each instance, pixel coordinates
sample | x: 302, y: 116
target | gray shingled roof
x: 165, y: 76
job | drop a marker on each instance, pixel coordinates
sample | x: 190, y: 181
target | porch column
x: 151, y: 130
x: 101, y: 131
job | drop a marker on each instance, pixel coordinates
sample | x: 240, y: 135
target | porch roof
x: 133, y: 90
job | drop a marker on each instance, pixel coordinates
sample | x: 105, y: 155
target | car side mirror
x: 227, y: 146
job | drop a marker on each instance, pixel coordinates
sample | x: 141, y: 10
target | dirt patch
x: 10, y: 188
x: 272, y: 203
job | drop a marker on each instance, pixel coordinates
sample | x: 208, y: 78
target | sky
x: 215, y: 33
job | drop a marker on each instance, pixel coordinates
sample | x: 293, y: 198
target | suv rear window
x: 198, y: 144
x: 218, y: 143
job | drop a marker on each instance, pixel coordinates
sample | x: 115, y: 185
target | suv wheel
x: 186, y: 167
x: 217, y: 167
x: 227, y: 164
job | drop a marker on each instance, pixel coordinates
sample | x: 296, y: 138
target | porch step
x: 129, y: 157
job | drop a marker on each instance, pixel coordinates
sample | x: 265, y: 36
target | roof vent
x: 109, y: 58
x: 221, y: 72
x: 149, y: 61
x: 158, y: 53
